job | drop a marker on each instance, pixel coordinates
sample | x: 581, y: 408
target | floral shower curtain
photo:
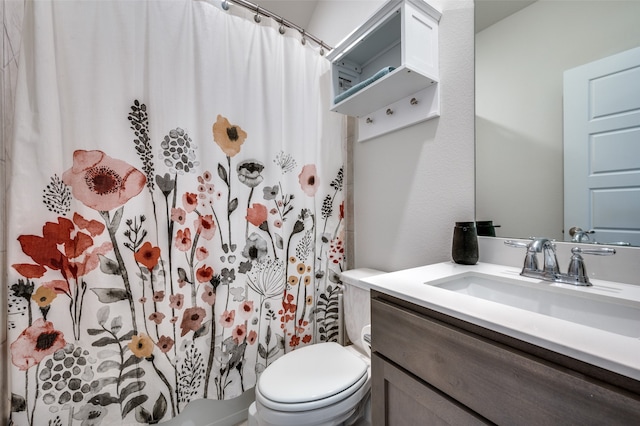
x: 175, y: 208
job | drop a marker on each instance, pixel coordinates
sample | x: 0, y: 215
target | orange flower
x: 44, y: 296
x: 141, y: 346
x: 101, y: 182
x: 147, y: 255
x: 228, y: 136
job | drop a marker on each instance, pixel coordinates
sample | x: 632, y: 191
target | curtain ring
x: 257, y: 18
x: 321, y: 48
x: 225, y: 5
x: 303, y: 40
x: 282, y: 30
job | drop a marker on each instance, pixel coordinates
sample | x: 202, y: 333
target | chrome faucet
x: 576, y: 273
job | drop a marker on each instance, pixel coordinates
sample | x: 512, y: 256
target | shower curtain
x: 175, y: 208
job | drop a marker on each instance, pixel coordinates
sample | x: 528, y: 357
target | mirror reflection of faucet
x: 578, y: 235
x: 577, y: 271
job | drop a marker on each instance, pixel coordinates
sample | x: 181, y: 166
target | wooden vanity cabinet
x: 433, y: 369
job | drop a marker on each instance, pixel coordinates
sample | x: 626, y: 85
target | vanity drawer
x: 501, y: 384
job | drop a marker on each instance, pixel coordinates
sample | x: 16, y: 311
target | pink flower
x: 277, y: 223
x: 178, y: 215
x: 246, y: 309
x: 35, y: 343
x: 227, y: 318
x: 204, y: 274
x: 202, y: 253
x: 101, y: 182
x: 158, y: 296
x: 176, y: 301
x: 183, y: 239
x: 59, y: 286
x: 257, y: 214
x: 205, y: 226
x: 308, y: 179
x: 165, y: 343
x: 192, y: 319
x: 209, y: 295
x: 239, y: 333
x: 156, y: 317
x: 252, y: 337
x: 190, y: 201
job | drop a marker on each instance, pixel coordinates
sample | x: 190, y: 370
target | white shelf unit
x: 402, y: 34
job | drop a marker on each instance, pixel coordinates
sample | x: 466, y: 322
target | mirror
x: 521, y: 54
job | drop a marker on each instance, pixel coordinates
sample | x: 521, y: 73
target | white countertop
x: 608, y: 350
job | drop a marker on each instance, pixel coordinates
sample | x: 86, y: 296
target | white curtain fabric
x: 175, y: 208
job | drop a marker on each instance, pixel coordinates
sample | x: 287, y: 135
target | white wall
x: 410, y: 186
x: 519, y: 66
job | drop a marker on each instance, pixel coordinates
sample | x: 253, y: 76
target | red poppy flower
x: 101, y: 182
x: 257, y: 214
x: 204, y: 274
x: 147, y: 255
x: 35, y: 343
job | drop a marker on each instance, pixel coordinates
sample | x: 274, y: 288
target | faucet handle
x: 598, y: 251
x: 530, y: 260
x: 517, y: 244
x: 577, y: 270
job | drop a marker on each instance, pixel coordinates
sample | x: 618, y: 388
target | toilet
x: 295, y: 390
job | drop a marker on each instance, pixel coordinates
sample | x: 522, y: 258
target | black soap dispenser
x: 464, y: 249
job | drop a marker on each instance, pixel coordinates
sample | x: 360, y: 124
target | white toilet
x: 325, y: 384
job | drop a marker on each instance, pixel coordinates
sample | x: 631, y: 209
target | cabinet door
x: 399, y: 398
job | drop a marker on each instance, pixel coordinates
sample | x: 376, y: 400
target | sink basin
x: 579, y: 306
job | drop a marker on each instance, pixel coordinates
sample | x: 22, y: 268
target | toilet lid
x: 311, y: 373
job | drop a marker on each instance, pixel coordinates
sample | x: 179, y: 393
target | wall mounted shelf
x: 394, y: 55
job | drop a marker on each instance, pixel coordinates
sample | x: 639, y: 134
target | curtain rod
x: 261, y: 11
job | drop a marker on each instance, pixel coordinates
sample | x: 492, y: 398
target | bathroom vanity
x: 451, y: 357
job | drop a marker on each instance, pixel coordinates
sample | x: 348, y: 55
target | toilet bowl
x: 325, y: 384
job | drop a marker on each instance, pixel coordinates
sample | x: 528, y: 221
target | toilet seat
x: 312, y: 377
